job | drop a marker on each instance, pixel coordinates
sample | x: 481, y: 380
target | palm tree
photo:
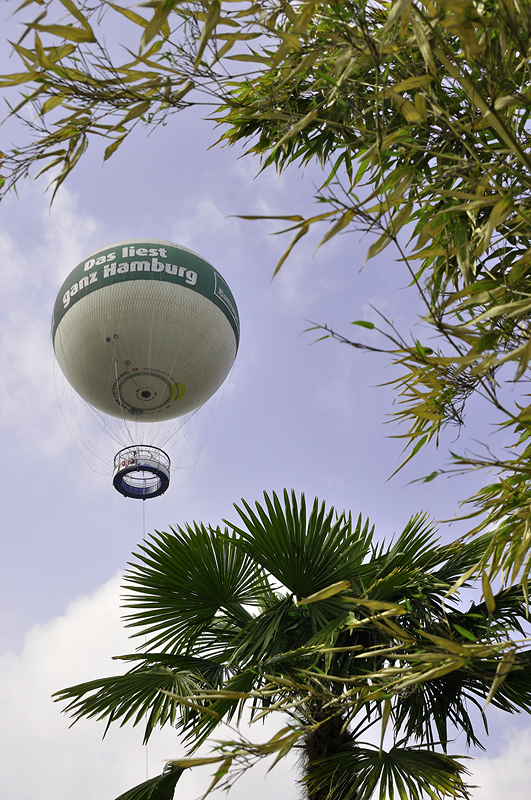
x: 300, y: 611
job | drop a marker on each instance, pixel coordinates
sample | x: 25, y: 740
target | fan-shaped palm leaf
x: 304, y: 552
x: 183, y: 580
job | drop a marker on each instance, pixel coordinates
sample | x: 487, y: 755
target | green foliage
x: 160, y: 788
x: 313, y: 619
x: 418, y: 113
x: 434, y: 773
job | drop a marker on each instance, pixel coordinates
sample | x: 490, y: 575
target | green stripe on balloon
x: 146, y: 260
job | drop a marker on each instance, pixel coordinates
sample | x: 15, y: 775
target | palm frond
x: 181, y: 580
x: 146, y: 696
x: 304, y: 552
x: 160, y: 788
x: 358, y: 773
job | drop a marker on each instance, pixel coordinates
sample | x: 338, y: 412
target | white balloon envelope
x: 145, y: 329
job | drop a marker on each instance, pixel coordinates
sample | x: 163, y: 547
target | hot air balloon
x: 145, y: 330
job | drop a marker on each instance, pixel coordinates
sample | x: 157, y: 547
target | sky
x: 293, y: 414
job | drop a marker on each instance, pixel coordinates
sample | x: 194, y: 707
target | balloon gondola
x: 141, y: 471
x: 145, y: 331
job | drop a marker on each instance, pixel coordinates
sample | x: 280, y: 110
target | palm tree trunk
x: 323, y: 746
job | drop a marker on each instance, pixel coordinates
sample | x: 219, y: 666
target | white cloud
x: 41, y: 756
x: 36, y: 743
x: 31, y: 274
x: 507, y: 774
x: 206, y: 223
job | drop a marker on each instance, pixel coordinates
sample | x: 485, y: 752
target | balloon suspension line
x: 145, y: 632
x: 144, y: 520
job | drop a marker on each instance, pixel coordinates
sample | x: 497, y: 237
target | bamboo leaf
x: 299, y: 126
x: 219, y: 774
x: 252, y: 57
x: 506, y: 102
x: 449, y: 666
x: 136, y: 111
x: 385, y: 719
x: 397, y: 8
x: 415, y: 82
x: 157, y: 25
x: 67, y: 32
x: 342, y: 222
x: 199, y: 761
x: 110, y: 149
x: 130, y: 14
x: 503, y: 669
x: 209, y: 26
x: 364, y: 323
x: 377, y: 246
x: 52, y: 103
x: 324, y: 594
x: 77, y: 13
x: 184, y: 701
x: 424, y: 45
x: 379, y: 605
x: 487, y: 593
x: 302, y: 232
